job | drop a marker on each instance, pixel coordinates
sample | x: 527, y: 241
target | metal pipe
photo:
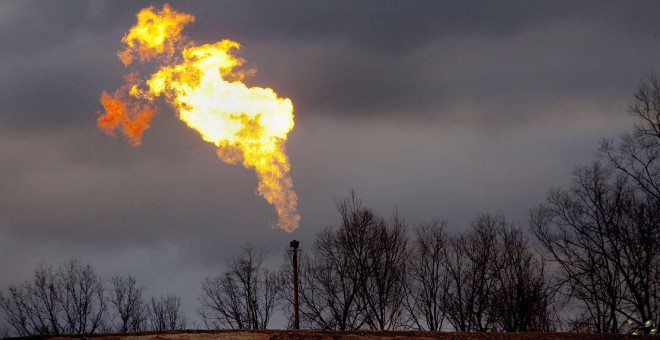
x: 296, y: 319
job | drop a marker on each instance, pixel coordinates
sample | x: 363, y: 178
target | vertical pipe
x: 296, y: 319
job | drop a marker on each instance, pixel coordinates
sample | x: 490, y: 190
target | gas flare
x: 247, y: 124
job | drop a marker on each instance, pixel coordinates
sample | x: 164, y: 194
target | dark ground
x: 336, y: 335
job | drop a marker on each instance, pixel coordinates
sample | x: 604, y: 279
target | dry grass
x: 338, y: 335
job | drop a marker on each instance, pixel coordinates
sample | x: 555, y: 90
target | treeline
x: 602, y: 235
x: 369, y: 274
x: 588, y: 261
x: 74, y: 299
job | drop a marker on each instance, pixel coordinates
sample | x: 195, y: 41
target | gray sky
x: 439, y: 109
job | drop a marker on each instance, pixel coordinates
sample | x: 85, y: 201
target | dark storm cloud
x: 384, y: 25
x: 53, y: 61
x: 438, y: 109
x: 419, y: 60
x: 401, y: 59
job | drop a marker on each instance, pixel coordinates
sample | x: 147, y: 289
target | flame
x: 133, y: 117
x: 247, y: 124
x: 156, y: 33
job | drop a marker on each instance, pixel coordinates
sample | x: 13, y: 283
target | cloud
x: 388, y: 59
x: 441, y: 110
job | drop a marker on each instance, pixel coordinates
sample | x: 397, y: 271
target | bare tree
x: 383, y: 285
x: 354, y: 275
x: 492, y: 280
x: 637, y: 255
x: 241, y: 298
x: 575, y: 229
x: 637, y: 154
x: 315, y: 300
x: 72, y: 299
x: 524, y: 298
x: 69, y: 300
x: 20, y: 314
x: 165, y: 313
x: 341, y: 258
x: 603, y: 232
x: 471, y: 262
x: 44, y: 296
x: 82, y: 298
x: 126, y: 301
x: 428, y: 279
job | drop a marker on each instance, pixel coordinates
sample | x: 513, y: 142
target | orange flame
x: 156, y: 33
x: 133, y: 117
x: 246, y: 124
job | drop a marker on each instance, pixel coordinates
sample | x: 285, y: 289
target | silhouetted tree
x: 127, y: 303
x: 383, y: 286
x: 73, y: 299
x: 243, y: 297
x: 353, y: 276
x: 26, y: 314
x: 494, y: 281
x: 81, y: 298
x: 471, y: 262
x: 428, y: 279
x: 315, y: 299
x: 165, y: 314
x: 579, y: 229
x: 637, y: 154
x: 69, y: 300
x: 523, y: 299
x: 603, y: 232
x: 340, y: 265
